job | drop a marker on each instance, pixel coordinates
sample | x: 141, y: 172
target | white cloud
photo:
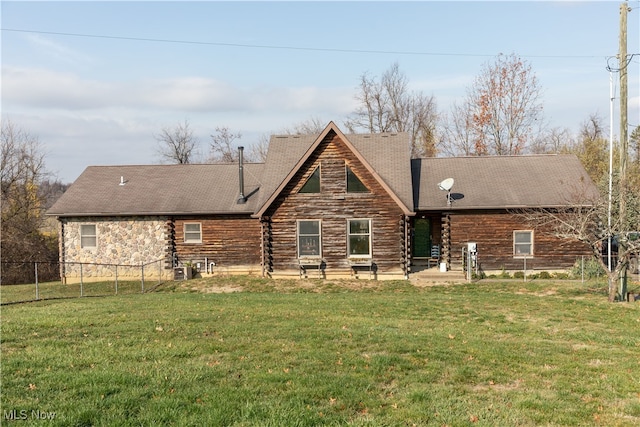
x: 189, y: 94
x: 39, y: 88
x: 88, y: 122
x: 46, y: 89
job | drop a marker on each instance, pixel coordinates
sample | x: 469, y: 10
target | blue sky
x: 98, y: 96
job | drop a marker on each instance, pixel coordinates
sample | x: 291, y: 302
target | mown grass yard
x: 252, y: 352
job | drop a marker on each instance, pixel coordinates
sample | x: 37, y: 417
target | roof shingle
x: 160, y: 189
x: 494, y: 182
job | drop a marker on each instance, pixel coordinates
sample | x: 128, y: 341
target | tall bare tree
x: 586, y: 221
x: 258, y: 151
x: 387, y: 105
x: 458, y: 132
x: 502, y: 110
x: 222, y: 148
x: 312, y: 126
x: 177, y: 144
x: 634, y: 145
x: 22, y: 171
x: 592, y: 148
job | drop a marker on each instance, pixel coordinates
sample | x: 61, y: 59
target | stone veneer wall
x: 130, y: 241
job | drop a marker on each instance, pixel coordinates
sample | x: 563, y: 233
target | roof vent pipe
x: 242, y: 199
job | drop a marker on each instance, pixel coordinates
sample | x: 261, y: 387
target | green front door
x: 422, y: 238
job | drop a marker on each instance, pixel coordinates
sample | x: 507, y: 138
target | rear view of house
x: 326, y: 205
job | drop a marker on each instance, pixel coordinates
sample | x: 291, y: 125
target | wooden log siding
x: 230, y: 240
x: 493, y: 232
x: 334, y: 206
x: 170, y: 244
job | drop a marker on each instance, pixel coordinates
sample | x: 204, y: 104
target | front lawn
x: 228, y: 352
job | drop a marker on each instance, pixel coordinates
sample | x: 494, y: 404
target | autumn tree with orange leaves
x: 501, y: 113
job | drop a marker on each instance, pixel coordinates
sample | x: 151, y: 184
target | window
x: 354, y: 185
x: 88, y: 237
x: 359, y: 238
x: 313, y: 183
x: 193, y: 232
x: 522, y: 243
x: 309, y: 239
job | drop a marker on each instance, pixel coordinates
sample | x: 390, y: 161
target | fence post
x: 81, y: 283
x: 35, y: 265
x: 142, y: 274
x: 116, y: 279
x: 582, y: 269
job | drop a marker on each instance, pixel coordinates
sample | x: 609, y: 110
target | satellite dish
x: 446, y: 185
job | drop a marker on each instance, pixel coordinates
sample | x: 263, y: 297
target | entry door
x: 422, y: 238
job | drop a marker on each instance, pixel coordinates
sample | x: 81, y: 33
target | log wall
x: 493, y: 232
x: 229, y: 240
x: 334, y: 206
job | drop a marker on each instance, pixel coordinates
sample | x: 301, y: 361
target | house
x: 320, y: 206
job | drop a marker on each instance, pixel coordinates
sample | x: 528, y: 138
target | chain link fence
x: 25, y: 281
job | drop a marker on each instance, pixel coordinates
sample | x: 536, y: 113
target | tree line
x: 27, y: 190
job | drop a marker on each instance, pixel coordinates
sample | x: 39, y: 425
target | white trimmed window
x: 359, y: 238
x: 88, y: 237
x: 309, y: 239
x: 523, y: 243
x: 192, y: 232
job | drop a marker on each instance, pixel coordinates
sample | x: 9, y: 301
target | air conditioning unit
x: 182, y: 273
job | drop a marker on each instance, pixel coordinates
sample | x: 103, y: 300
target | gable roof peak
x: 388, y: 163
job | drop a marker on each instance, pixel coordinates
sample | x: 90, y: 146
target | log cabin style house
x: 327, y: 205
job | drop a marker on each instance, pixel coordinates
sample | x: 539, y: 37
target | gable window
x: 354, y: 185
x: 193, y: 232
x: 359, y: 238
x: 309, y: 239
x: 313, y: 183
x: 88, y: 238
x: 523, y: 243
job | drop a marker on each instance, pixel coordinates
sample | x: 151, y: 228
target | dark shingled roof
x: 502, y: 182
x: 388, y: 154
x: 160, y: 190
x: 480, y: 182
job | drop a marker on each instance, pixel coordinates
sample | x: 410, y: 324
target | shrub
x: 592, y: 269
x: 505, y: 274
x: 518, y: 275
x: 544, y: 275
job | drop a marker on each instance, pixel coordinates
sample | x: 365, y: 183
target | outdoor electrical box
x: 470, y: 259
x: 472, y: 250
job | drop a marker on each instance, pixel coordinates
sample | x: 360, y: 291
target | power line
x: 628, y: 60
x: 299, y: 48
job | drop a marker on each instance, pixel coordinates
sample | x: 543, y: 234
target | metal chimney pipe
x: 242, y: 199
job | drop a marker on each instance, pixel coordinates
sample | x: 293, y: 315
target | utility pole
x: 624, y: 90
x: 624, y: 138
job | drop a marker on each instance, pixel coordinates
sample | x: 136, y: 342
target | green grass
x: 291, y: 353
x: 56, y: 290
